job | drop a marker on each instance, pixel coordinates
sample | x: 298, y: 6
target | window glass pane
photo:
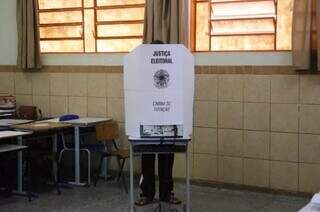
x: 88, y: 3
x: 242, y: 26
x: 53, y: 4
x: 118, y: 2
x: 120, y: 30
x: 60, y: 31
x: 202, y: 28
x: 243, y: 9
x: 121, y: 14
x: 284, y: 24
x: 219, y: 1
x: 89, y: 39
x: 237, y: 43
x: 117, y: 45
x: 62, y: 46
x: 60, y: 17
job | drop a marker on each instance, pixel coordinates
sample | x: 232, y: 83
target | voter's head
x: 157, y: 42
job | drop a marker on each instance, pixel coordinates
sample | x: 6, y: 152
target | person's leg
x: 165, y: 166
x: 148, y: 176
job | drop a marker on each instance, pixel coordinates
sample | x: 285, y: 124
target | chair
x: 37, y: 151
x: 109, y: 132
x: 28, y: 112
x: 41, y: 156
x: 65, y: 148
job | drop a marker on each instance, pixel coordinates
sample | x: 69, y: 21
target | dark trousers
x: 165, y: 165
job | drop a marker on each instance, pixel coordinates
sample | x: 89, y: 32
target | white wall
x: 8, y: 50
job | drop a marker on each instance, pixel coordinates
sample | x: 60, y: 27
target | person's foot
x: 172, y: 200
x: 143, y: 201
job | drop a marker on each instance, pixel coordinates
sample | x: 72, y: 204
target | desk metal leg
x: 187, y: 209
x: 77, y: 155
x: 77, y: 158
x: 20, y: 190
x: 19, y: 167
x: 131, y: 180
x: 54, y: 150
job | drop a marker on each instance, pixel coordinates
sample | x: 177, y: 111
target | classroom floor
x: 111, y: 198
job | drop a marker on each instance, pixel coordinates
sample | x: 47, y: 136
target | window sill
x: 282, y: 58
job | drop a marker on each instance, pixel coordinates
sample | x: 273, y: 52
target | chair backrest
x: 107, y: 131
x: 28, y: 112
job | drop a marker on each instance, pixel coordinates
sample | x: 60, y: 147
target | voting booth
x: 159, y: 90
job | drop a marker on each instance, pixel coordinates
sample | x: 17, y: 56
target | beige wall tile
x: 59, y: 84
x: 24, y: 100
x: 97, y: 107
x: 77, y: 84
x: 284, y: 117
x: 205, y: 167
x: 230, y: 88
x: 7, y: 83
x: 256, y: 144
x: 285, y: 89
x: 309, y: 148
x: 257, y: 116
x: 115, y: 85
x: 97, y: 86
x: 310, y: 119
x: 205, y: 114
x: 179, y: 165
x: 257, y: 88
x: 205, y: 140
x: 58, y: 105
x: 284, y: 175
x: 40, y: 84
x: 256, y: 172
x: 309, y: 175
x: 230, y: 142
x: 206, y: 87
x: 230, y: 170
x: 230, y: 115
x: 310, y: 89
x: 23, y: 83
x: 115, y: 108
x: 78, y: 105
x: 284, y: 147
x: 42, y: 103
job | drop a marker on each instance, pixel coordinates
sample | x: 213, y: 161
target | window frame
x: 95, y: 8
x: 63, y: 24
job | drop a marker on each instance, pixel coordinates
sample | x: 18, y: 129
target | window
x: 90, y: 25
x: 242, y: 25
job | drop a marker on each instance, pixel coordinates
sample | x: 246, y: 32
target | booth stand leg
x: 187, y: 206
x: 131, y: 180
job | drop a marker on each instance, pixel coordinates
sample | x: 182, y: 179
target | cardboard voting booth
x: 159, y: 91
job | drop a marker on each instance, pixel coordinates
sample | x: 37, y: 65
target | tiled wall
x: 259, y: 128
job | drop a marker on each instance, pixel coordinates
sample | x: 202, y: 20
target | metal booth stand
x: 160, y: 146
x: 159, y: 91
